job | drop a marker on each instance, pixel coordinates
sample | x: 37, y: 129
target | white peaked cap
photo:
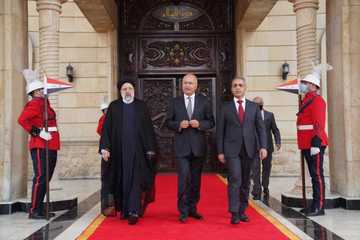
x: 32, y: 80
x: 104, y: 104
x: 315, y: 76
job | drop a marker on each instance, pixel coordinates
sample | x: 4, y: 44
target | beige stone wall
x: 90, y: 53
x: 264, y: 52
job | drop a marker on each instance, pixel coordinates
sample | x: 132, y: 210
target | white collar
x: 243, y: 99
x: 191, y: 96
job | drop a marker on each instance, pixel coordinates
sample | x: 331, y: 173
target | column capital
x: 54, y: 5
x: 301, y: 4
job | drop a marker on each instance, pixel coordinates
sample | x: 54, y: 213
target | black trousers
x: 239, y: 169
x: 316, y: 170
x: 264, y: 175
x: 189, y: 170
x: 39, y: 179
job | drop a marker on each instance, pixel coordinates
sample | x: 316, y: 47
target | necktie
x: 241, y: 112
x: 189, y: 108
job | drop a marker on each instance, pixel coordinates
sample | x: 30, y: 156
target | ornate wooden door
x: 160, y: 41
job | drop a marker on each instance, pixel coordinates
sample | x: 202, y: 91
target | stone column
x: 343, y: 88
x: 49, y: 21
x: 306, y: 34
x: 49, y: 16
x: 13, y: 59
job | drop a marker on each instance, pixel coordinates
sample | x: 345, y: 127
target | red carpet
x: 161, y: 219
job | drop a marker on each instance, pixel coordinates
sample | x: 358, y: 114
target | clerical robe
x: 129, y: 136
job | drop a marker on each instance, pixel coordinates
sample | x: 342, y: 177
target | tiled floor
x: 343, y: 223
x: 17, y: 226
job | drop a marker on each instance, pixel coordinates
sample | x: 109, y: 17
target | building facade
x: 107, y: 40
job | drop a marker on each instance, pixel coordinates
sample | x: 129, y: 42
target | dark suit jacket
x: 190, y: 140
x: 231, y: 134
x: 271, y: 127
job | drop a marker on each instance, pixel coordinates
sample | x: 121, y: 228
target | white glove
x: 314, y: 151
x: 45, y: 135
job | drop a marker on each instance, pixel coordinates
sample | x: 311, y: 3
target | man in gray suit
x: 271, y: 129
x: 239, y: 126
x: 189, y: 116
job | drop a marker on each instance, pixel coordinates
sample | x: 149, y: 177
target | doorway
x: 160, y: 41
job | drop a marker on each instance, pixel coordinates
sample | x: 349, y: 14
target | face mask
x: 303, y: 88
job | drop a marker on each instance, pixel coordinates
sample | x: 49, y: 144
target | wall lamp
x: 70, y: 72
x: 285, y: 70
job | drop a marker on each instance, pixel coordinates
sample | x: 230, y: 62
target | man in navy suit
x: 239, y: 128
x: 271, y: 129
x: 189, y: 116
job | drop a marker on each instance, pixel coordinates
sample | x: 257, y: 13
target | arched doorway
x: 160, y: 41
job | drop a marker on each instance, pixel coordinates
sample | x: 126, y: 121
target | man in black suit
x: 189, y: 116
x: 271, y: 129
x: 239, y: 126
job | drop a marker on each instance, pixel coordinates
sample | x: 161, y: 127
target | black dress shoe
x: 306, y: 210
x: 317, y: 212
x: 196, y: 215
x: 266, y: 193
x: 51, y: 215
x: 183, y: 218
x: 235, y: 218
x: 36, y: 216
x: 133, y: 219
x: 243, y: 217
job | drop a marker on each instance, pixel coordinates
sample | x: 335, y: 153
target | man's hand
x: 314, y: 151
x: 263, y: 153
x: 105, y: 154
x: 184, y: 124
x: 221, y: 158
x: 278, y: 146
x: 194, y: 123
x: 45, y: 135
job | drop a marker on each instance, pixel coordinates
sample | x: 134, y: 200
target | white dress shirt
x: 192, y: 101
x: 237, y: 104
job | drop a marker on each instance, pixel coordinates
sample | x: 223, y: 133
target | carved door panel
x: 157, y: 92
x: 176, y: 54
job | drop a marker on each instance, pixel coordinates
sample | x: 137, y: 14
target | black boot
x: 36, y: 215
x: 235, y: 219
x: 316, y: 212
x: 133, y: 219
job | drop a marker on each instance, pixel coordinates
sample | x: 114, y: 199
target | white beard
x: 127, y: 99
